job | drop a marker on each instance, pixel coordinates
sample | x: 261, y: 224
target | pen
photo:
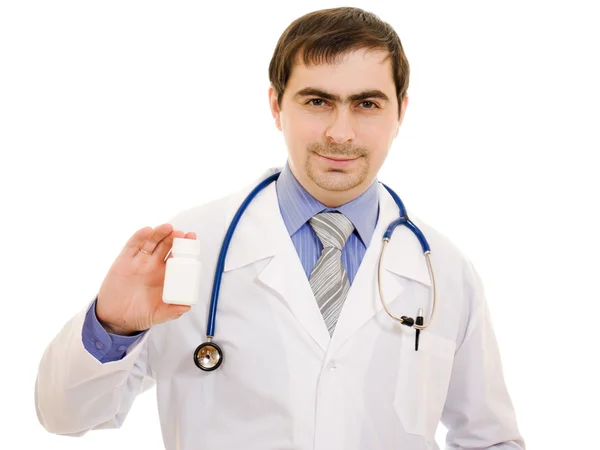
x: 419, y: 321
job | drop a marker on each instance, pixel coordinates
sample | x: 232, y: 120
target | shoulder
x: 212, y: 217
x: 439, y: 242
x: 200, y: 218
x: 450, y: 264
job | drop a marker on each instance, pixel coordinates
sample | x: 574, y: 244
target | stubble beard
x: 336, y: 179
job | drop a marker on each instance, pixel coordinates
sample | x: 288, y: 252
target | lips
x: 337, y: 162
x: 337, y: 158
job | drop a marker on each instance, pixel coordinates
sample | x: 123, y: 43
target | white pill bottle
x: 182, y: 275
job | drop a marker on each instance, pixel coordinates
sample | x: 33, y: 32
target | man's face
x: 339, y: 122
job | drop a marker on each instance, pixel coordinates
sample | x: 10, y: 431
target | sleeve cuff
x: 104, y: 346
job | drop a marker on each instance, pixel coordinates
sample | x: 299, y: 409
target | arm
x: 75, y: 392
x: 478, y: 411
x: 80, y: 389
x: 104, y: 346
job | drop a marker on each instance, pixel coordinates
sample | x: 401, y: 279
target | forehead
x: 354, y: 71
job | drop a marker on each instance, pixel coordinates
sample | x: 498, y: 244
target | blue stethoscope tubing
x: 208, y: 356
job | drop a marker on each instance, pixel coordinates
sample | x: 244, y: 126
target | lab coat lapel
x: 261, y: 234
x: 403, y: 259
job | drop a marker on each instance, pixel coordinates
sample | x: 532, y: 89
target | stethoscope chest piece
x: 208, y: 356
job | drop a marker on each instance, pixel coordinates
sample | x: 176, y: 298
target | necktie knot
x: 332, y: 228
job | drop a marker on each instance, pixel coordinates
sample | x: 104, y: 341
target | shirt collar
x: 298, y: 206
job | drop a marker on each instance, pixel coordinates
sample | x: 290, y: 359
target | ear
x: 275, y: 112
x: 402, y: 112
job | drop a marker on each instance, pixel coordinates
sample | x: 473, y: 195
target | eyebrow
x: 310, y: 91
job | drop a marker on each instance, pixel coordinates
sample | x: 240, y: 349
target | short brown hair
x: 328, y: 34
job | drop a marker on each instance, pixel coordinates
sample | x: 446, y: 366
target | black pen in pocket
x: 418, y: 321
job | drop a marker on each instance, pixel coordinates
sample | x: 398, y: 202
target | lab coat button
x: 99, y: 345
x: 332, y: 367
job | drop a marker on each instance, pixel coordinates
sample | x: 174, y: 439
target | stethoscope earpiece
x: 208, y: 356
x: 408, y: 321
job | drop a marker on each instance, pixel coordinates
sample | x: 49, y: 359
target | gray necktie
x: 328, y: 279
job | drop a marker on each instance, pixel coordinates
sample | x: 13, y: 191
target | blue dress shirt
x: 297, y: 207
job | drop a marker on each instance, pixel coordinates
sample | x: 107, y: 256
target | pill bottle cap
x: 188, y: 247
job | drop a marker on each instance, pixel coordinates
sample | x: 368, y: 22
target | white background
x: 118, y: 114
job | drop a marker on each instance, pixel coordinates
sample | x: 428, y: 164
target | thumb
x: 176, y: 311
x: 171, y: 312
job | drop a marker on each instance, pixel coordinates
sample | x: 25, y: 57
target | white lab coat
x: 284, y: 383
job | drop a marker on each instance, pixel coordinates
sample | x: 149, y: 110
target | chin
x: 336, y: 180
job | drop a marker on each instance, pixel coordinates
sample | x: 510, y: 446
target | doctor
x: 297, y: 374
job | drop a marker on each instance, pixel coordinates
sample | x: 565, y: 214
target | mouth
x: 338, y: 158
x: 337, y: 161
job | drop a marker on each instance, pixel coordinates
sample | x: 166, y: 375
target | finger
x: 134, y: 243
x: 189, y: 235
x: 165, y: 245
x: 159, y: 233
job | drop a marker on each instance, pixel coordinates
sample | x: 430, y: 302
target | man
x: 311, y: 359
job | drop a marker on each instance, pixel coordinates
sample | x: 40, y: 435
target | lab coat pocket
x: 423, y: 379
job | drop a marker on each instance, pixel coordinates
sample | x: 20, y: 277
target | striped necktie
x: 328, y: 279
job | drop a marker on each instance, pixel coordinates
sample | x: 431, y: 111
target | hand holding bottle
x: 130, y: 297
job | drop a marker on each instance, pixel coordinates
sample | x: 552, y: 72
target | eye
x: 316, y: 102
x: 367, y: 104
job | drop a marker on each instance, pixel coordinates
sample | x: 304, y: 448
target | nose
x: 341, y: 129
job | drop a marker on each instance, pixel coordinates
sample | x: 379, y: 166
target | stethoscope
x: 209, y: 356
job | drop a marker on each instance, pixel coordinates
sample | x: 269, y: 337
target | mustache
x: 343, y: 151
